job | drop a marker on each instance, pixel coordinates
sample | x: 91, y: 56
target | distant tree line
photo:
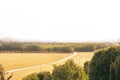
x: 12, y: 47
x: 51, y: 47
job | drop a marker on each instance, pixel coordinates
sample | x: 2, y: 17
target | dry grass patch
x: 82, y: 57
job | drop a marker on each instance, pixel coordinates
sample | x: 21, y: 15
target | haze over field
x: 64, y: 20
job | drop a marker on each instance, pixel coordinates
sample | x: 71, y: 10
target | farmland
x: 15, y: 60
x: 18, y: 60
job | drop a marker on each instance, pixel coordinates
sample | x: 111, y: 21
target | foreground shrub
x: 1, y: 72
x: 39, y: 76
x: 31, y: 77
x: 115, y: 70
x: 100, y: 63
x: 68, y: 71
x: 44, y: 76
x: 86, y: 67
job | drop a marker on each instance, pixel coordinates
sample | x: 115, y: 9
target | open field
x: 20, y: 60
x: 80, y: 58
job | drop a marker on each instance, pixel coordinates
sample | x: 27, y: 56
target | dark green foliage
x: 39, y: 76
x: 32, y: 48
x: 85, y: 48
x: 49, y: 49
x: 100, y: 63
x: 68, y: 71
x: 63, y: 49
x: 33, y: 76
x: 11, y: 47
x: 44, y: 76
x: 86, y: 67
x: 115, y: 70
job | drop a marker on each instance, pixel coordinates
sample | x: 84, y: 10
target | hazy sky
x: 60, y: 20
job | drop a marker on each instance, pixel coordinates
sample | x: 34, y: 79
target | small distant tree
x: 9, y: 77
x: 68, y: 71
x: 1, y: 72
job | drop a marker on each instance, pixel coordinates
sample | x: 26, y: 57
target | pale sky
x: 60, y: 20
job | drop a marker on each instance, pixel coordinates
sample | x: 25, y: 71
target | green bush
x: 45, y: 76
x: 39, y: 76
x: 33, y: 76
x: 68, y: 71
x: 100, y: 63
x: 86, y: 67
x: 115, y: 70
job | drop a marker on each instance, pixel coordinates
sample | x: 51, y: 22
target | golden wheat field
x: 14, y: 61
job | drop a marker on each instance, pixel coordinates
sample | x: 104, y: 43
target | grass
x: 35, y: 59
x: 82, y: 57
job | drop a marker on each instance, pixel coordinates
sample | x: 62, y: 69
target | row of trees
x: 50, y: 47
x: 33, y: 48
